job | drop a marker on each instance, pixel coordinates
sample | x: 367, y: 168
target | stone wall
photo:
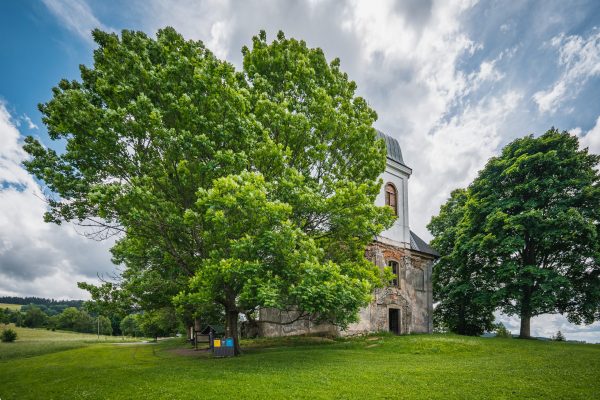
x: 412, y: 297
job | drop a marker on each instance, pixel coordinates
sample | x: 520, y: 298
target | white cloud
x: 77, y: 16
x: 30, y: 123
x: 453, y: 153
x: 37, y: 258
x: 210, y: 21
x: 591, y: 139
x: 580, y: 59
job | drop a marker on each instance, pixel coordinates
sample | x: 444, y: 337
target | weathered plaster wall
x: 414, y: 304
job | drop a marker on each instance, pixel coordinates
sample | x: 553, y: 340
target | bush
x: 502, y: 332
x: 8, y: 335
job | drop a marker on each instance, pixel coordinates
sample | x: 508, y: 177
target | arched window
x: 391, y: 197
x: 394, y: 266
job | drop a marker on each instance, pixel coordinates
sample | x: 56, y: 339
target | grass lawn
x: 34, y: 342
x: 384, y: 367
x: 14, y: 307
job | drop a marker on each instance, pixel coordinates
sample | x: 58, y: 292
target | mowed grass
x: 34, y: 342
x: 14, y: 307
x: 385, y: 367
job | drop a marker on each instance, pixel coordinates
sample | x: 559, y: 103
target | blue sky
x: 453, y: 81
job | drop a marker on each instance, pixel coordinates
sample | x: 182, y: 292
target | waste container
x: 223, y: 347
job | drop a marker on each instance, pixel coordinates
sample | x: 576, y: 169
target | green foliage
x: 34, y: 317
x: 76, y: 320
x: 157, y: 128
x: 502, y: 332
x: 104, y: 325
x: 130, y: 326
x: 559, y: 337
x: 156, y: 323
x: 462, y: 292
x: 8, y: 335
x: 529, y: 231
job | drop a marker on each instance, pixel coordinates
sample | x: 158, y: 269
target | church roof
x: 392, y: 146
x: 418, y: 244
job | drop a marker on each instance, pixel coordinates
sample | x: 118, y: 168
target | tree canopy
x: 531, y: 224
x: 221, y: 184
x: 460, y: 288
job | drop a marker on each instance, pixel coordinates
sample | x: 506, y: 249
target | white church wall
x: 399, y: 232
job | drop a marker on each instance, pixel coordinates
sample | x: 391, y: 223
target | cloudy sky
x: 453, y: 81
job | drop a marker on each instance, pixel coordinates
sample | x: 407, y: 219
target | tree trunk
x: 525, y: 332
x: 232, y: 329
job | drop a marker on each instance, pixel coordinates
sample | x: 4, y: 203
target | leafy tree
x: 155, y: 125
x: 104, y: 325
x: 34, y: 317
x: 533, y: 219
x: 559, y: 337
x: 161, y: 322
x: 4, y: 315
x: 151, y: 122
x: 258, y: 258
x: 17, y: 318
x: 130, y: 325
x: 77, y: 320
x: 461, y: 289
x: 501, y: 331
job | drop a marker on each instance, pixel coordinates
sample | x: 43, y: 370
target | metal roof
x: 418, y: 244
x: 392, y: 146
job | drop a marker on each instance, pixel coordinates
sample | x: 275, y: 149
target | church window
x: 391, y: 197
x: 394, y: 267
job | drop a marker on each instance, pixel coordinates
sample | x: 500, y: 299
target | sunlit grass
x: 14, y: 307
x: 33, y: 342
x: 374, y: 367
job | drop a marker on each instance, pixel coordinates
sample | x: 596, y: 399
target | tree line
x: 150, y: 324
x: 40, y: 301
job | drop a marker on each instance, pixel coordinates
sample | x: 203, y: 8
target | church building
x: 406, y: 305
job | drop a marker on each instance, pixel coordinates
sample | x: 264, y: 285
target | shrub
x: 502, y: 332
x: 8, y: 335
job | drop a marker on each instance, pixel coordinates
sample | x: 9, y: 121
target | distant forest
x: 50, y: 303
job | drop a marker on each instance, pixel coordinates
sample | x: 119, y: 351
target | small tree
x: 34, y: 317
x: 105, y: 325
x: 559, y: 337
x: 130, y: 326
x: 156, y: 323
x: 502, y: 332
x: 8, y: 335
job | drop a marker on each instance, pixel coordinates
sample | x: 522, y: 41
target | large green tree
x: 462, y: 289
x: 155, y: 124
x: 532, y: 224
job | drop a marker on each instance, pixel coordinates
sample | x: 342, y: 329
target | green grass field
x: 15, y: 307
x: 35, y: 342
x: 385, y: 367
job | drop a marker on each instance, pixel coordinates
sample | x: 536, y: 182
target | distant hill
x: 40, y: 301
x: 49, y: 306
